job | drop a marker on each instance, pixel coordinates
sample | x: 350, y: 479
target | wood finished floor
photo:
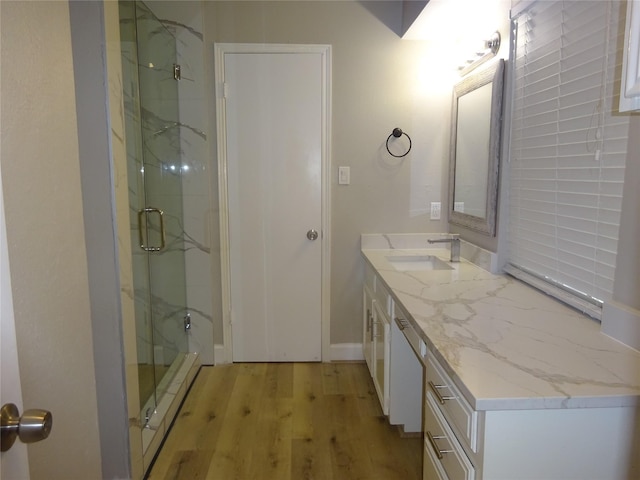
x: 285, y: 421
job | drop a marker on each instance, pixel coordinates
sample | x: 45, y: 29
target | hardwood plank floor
x: 285, y: 421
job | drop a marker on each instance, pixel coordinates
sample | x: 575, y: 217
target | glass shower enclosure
x: 150, y: 84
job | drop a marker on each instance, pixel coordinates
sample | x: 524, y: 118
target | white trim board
x: 346, y: 352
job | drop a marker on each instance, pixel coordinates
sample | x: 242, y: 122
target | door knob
x: 312, y: 234
x: 33, y: 426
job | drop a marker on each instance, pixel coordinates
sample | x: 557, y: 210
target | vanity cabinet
x: 376, y: 335
x: 522, y: 389
x: 391, y: 349
x: 555, y: 444
x: 630, y: 82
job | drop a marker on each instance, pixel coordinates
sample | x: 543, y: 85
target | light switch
x: 344, y: 175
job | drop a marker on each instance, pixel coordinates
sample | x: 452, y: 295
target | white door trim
x: 220, y: 49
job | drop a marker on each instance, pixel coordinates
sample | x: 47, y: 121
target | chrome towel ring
x: 397, y: 133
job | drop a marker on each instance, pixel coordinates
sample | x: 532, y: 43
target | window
x: 567, y: 150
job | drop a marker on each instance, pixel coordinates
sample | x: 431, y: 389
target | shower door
x: 150, y: 78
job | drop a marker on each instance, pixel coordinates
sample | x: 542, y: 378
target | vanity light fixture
x: 491, y: 47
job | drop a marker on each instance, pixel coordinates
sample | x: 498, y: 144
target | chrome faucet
x: 454, y: 240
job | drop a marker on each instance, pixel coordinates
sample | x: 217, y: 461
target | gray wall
x: 88, y: 42
x: 379, y: 82
x: 626, y: 288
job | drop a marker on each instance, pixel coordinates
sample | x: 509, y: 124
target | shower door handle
x: 145, y: 213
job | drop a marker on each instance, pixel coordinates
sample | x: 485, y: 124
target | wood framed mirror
x: 476, y: 123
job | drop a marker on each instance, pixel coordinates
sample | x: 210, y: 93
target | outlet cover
x: 435, y: 210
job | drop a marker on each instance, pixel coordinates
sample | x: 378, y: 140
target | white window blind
x: 567, y: 149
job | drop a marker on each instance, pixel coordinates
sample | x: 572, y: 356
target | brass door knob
x: 33, y: 426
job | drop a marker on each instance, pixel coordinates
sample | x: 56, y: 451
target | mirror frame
x: 493, y: 74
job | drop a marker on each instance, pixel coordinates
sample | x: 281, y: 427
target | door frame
x: 220, y: 49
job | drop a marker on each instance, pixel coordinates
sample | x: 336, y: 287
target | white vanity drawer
x: 444, y: 457
x: 450, y: 400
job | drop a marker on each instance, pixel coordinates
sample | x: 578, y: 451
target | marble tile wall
x: 175, y: 163
x: 117, y: 49
x: 133, y: 166
x: 173, y: 178
x: 184, y: 20
x: 151, y: 110
x: 161, y: 175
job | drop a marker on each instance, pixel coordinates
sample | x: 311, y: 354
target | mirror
x: 475, y: 149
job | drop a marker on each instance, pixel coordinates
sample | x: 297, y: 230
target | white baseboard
x: 338, y: 352
x: 622, y: 323
x: 219, y: 354
x: 341, y: 352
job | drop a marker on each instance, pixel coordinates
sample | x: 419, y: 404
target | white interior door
x: 13, y: 463
x: 274, y: 118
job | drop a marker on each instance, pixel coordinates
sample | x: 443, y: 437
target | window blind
x: 567, y: 149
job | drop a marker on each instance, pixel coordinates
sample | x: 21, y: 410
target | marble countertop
x: 505, y: 344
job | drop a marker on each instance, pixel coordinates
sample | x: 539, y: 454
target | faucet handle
x: 454, y: 240
x: 446, y: 238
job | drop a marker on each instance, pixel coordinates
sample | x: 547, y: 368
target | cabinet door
x: 381, y: 327
x: 405, y: 379
x: 367, y: 328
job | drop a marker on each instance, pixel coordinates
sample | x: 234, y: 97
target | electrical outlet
x: 435, y: 210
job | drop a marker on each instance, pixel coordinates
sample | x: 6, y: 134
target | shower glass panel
x: 155, y: 199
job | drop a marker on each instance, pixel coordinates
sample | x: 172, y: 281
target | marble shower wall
x: 151, y: 115
x: 118, y: 48
x: 184, y: 20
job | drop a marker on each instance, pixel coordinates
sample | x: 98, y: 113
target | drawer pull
x: 432, y: 440
x: 435, y: 388
x: 402, y: 323
x: 372, y: 336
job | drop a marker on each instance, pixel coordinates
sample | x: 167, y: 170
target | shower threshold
x: 173, y: 386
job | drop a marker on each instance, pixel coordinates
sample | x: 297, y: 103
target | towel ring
x: 397, y: 133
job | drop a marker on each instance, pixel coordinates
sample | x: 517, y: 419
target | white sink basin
x: 413, y: 263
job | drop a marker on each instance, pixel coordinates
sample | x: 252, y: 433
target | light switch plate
x: 435, y: 210
x: 344, y: 175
